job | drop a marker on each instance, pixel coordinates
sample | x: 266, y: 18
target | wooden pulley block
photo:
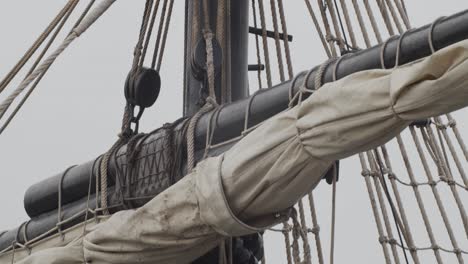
x: 142, y: 88
x: 199, y: 55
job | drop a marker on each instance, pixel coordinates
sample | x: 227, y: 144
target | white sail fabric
x: 271, y: 168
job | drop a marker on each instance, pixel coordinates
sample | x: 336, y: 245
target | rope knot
x: 440, y: 125
x: 137, y: 50
x: 383, y: 240
x: 330, y: 37
x: 212, y: 101
x: 207, y: 34
x: 386, y: 171
x: 287, y: 228
x: 435, y: 247
x: 315, y: 230
x: 451, y: 182
x: 452, y: 123
x: 392, y: 176
x: 366, y: 173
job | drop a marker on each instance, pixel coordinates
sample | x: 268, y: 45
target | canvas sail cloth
x: 264, y: 174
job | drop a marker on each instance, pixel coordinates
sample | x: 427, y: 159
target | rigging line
x: 154, y: 13
x: 160, y: 32
x: 394, y: 15
x: 141, y: 36
x: 257, y: 45
x: 435, y: 192
x: 78, y: 31
x: 221, y: 35
x: 19, y: 65
x: 333, y: 221
x: 265, y: 43
x: 279, y: 54
x: 51, y: 41
x: 384, y: 12
x: 166, y: 30
x: 374, y: 25
x: 33, y: 87
x: 404, y: 11
x: 390, y: 201
x: 349, y: 24
x: 285, y: 41
x: 82, y: 16
x: 342, y: 27
x: 358, y: 12
x: 339, y: 38
x: 319, y: 30
x: 393, y: 180
x: 326, y: 25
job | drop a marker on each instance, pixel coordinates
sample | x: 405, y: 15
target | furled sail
x: 254, y: 184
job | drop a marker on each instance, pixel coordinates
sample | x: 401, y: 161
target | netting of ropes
x: 432, y: 161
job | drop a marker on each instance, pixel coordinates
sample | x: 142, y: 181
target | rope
x: 385, y: 16
x: 287, y: 242
x: 315, y: 228
x: 166, y: 30
x: 138, y: 59
x: 443, y: 130
x: 285, y: 40
x: 394, y: 15
x: 150, y: 29
x: 435, y: 192
x: 443, y: 168
x: 19, y: 65
x: 103, y: 168
x: 377, y: 185
x: 336, y: 26
x: 305, y: 242
x: 333, y: 222
x: 365, y: 35
x: 391, y: 175
x: 221, y: 21
x: 257, y: 46
x: 211, y: 99
x: 403, y: 13
x: 349, y: 25
x: 39, y: 58
x: 366, y: 173
x: 159, y: 36
x: 279, y: 55
x: 329, y: 37
x: 461, y: 143
x: 80, y: 29
x: 370, y: 14
x: 317, y: 27
x: 265, y: 44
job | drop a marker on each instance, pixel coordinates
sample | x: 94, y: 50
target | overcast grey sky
x: 75, y: 113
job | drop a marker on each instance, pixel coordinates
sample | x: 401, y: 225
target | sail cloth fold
x: 266, y: 172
